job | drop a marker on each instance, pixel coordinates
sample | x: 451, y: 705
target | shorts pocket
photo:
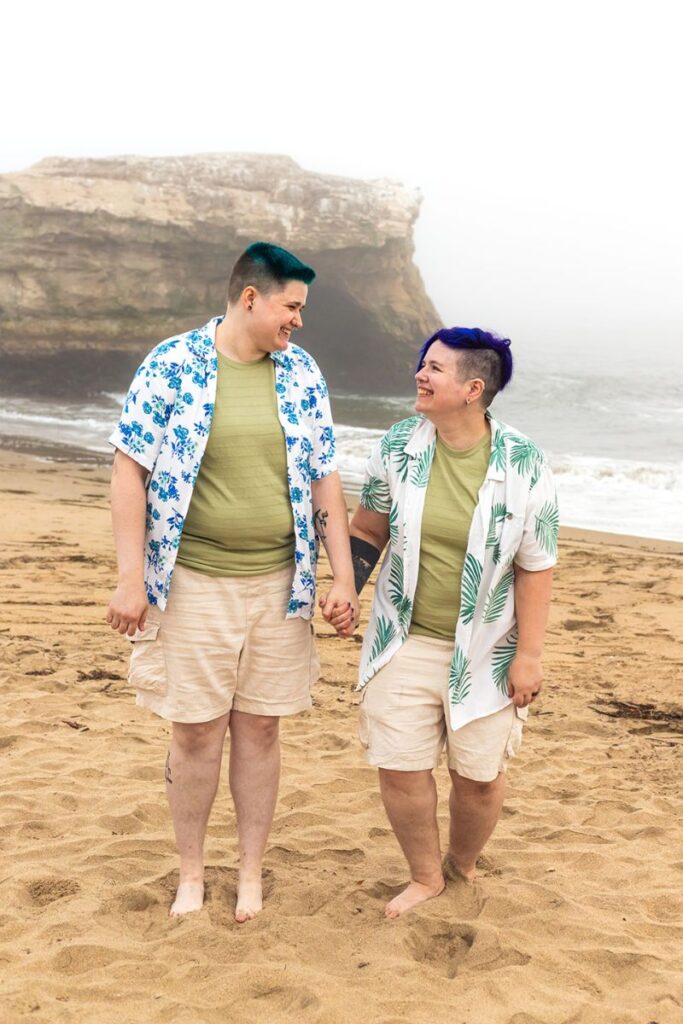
x: 147, y: 669
x: 514, y: 742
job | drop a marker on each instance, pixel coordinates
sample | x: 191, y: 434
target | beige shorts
x: 223, y: 643
x: 405, y: 718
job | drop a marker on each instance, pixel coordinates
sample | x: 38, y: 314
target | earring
x: 250, y: 307
x: 467, y: 401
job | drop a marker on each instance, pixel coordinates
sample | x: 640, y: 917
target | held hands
x: 128, y: 608
x: 341, y: 608
x: 525, y: 679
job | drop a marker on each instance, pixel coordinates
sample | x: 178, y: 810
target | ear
x: 476, y: 390
x: 247, y: 297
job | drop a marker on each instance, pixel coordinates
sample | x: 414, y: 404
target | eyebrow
x: 294, y: 302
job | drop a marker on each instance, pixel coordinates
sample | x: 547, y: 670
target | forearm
x: 369, y: 536
x: 332, y: 525
x: 128, y: 511
x: 532, y: 604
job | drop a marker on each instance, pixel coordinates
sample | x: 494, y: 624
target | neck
x: 233, y: 340
x: 463, y: 430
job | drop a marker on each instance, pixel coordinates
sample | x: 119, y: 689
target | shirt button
x: 509, y: 515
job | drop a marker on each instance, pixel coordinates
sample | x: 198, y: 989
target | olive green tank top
x: 450, y: 502
x: 239, y: 522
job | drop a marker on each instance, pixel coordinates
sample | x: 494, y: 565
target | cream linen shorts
x: 405, y: 718
x: 224, y: 643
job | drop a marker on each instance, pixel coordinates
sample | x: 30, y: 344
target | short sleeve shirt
x: 515, y: 521
x: 165, y: 424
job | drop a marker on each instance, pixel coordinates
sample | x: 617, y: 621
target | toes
x: 241, y: 916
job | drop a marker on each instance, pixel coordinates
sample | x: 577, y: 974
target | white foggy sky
x: 543, y: 136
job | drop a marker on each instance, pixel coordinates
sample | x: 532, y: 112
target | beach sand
x: 577, y: 914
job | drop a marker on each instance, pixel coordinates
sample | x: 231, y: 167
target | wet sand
x: 577, y: 914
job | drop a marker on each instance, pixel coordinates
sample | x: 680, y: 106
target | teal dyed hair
x: 266, y: 267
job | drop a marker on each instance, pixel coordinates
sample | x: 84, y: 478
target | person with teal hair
x: 224, y: 483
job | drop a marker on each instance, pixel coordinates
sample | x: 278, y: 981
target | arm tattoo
x: 320, y: 523
x: 364, y: 557
x: 167, y: 769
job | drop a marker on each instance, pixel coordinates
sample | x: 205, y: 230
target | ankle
x: 192, y: 873
x: 251, y: 872
x: 429, y: 879
x: 453, y: 863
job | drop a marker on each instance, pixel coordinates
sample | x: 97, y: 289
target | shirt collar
x: 202, y: 342
x: 425, y: 432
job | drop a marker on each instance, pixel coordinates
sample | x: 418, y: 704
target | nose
x: 297, y: 321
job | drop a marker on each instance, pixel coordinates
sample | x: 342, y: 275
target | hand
x: 341, y: 608
x: 525, y: 679
x: 128, y: 608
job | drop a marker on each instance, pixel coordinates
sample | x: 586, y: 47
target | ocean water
x: 615, y: 442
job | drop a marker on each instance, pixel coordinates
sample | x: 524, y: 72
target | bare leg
x: 475, y: 808
x: 410, y: 802
x: 193, y: 768
x: 254, y: 778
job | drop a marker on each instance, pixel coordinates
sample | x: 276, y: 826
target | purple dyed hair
x: 472, y: 338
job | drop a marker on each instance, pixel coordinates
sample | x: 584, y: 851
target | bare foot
x: 249, y: 899
x: 188, y: 898
x: 454, y: 873
x: 411, y: 897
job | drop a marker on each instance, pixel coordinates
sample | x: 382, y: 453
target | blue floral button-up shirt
x: 165, y: 424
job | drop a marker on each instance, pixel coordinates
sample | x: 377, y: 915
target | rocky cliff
x: 100, y: 259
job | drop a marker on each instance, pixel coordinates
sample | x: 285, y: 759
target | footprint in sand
x: 278, y: 1000
x: 78, y: 959
x: 121, y: 824
x: 447, y: 948
x: 440, y: 946
x: 137, y: 900
x: 353, y: 856
x: 46, y: 890
x: 284, y: 855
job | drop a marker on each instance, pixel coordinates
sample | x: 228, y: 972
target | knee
x: 403, y: 782
x: 482, y: 791
x: 199, y: 737
x: 261, y: 730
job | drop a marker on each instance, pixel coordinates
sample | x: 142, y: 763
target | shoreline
x: 11, y: 455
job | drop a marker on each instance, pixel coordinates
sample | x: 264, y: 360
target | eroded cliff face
x: 100, y: 259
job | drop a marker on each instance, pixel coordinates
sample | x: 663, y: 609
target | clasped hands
x: 341, y: 608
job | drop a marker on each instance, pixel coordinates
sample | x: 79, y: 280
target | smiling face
x: 440, y: 389
x: 275, y: 315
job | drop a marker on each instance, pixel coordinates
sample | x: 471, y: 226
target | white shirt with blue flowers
x: 165, y: 424
x: 515, y: 521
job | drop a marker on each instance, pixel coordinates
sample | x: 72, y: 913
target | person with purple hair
x: 452, y: 654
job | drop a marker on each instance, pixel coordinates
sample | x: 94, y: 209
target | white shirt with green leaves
x: 515, y: 521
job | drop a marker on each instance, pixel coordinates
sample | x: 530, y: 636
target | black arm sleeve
x: 364, y: 557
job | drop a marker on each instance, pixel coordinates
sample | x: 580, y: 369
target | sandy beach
x: 577, y: 916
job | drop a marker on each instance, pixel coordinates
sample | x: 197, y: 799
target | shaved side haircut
x: 267, y: 268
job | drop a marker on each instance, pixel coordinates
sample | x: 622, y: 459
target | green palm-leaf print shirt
x: 515, y: 522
